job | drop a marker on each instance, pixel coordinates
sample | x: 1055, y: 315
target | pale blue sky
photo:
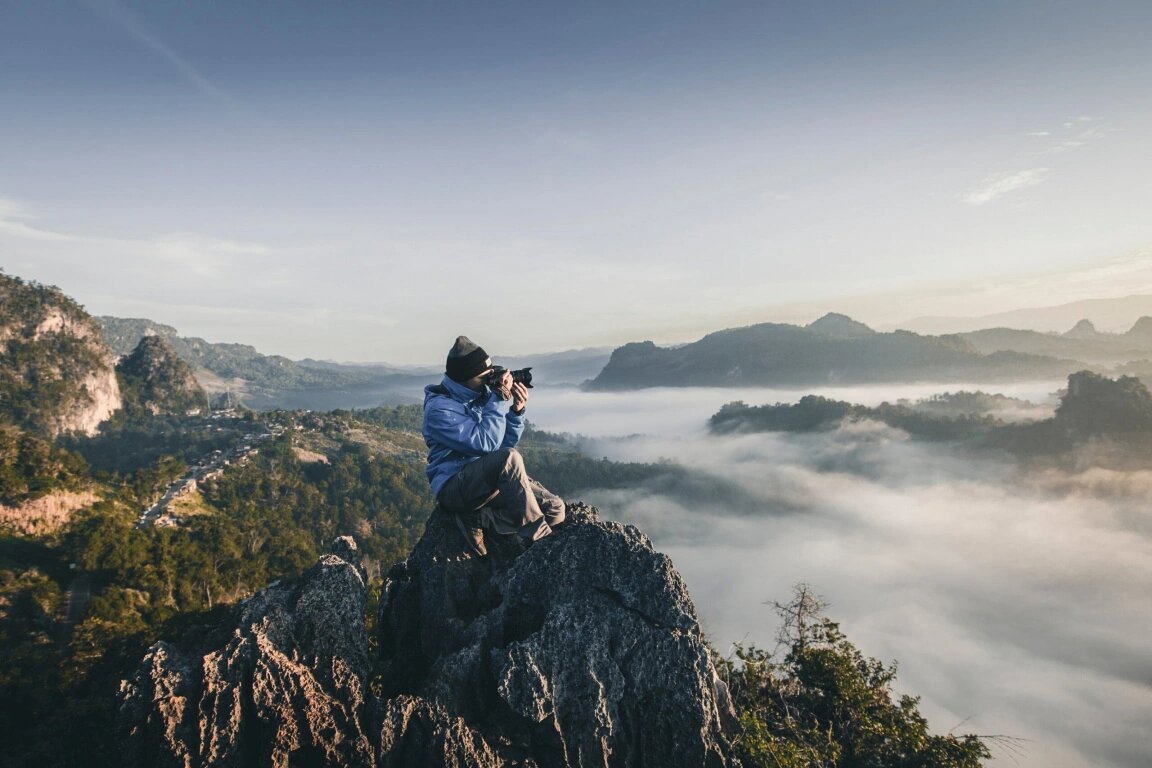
x: 364, y: 181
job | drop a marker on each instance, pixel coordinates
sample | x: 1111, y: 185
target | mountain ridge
x: 1111, y: 314
x: 768, y: 354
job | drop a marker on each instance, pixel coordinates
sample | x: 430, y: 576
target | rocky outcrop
x: 416, y: 733
x: 56, y: 373
x: 287, y: 686
x: 583, y: 650
x: 155, y: 380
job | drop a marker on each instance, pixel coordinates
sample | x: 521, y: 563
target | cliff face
x: 582, y: 650
x: 56, y: 373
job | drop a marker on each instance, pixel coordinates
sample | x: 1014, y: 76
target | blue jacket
x: 460, y: 426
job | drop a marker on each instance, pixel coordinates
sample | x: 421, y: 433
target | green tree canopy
x: 826, y: 705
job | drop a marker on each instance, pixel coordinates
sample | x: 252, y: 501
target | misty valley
x: 997, y: 544
x: 987, y: 538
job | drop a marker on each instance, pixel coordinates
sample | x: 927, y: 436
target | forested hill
x: 154, y: 379
x: 834, y: 349
x: 1115, y: 415
x: 56, y: 373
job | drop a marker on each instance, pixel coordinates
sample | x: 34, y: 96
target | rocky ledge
x: 583, y: 650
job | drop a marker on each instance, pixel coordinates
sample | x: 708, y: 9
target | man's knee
x: 555, y: 511
x: 510, y: 460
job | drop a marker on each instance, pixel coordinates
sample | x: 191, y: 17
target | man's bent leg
x: 550, y: 504
x: 514, y: 510
x: 461, y: 497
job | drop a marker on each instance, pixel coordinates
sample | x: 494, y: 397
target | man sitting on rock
x: 472, y: 422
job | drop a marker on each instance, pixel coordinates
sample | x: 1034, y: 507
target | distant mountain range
x: 271, y: 381
x: 1081, y: 342
x: 237, y: 366
x: 838, y: 349
x: 833, y: 349
x: 1112, y: 314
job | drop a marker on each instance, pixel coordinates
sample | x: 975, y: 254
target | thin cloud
x: 116, y: 13
x: 1072, y: 134
x: 189, y: 248
x: 160, y: 260
x: 995, y: 187
x: 12, y: 221
x: 10, y: 209
x: 204, y: 256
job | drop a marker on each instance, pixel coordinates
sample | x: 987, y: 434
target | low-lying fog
x: 1016, y: 604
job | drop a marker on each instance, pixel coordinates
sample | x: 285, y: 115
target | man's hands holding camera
x: 519, y: 397
x: 506, y: 388
x: 503, y: 385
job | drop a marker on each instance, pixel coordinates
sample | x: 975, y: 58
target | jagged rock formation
x: 56, y: 373
x: 288, y: 686
x: 582, y: 650
x: 155, y: 380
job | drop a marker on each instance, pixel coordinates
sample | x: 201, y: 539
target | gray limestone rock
x: 288, y: 687
x: 583, y: 650
x: 416, y: 733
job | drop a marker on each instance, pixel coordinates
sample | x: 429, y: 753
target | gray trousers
x: 508, y: 500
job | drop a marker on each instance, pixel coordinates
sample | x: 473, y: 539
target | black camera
x: 522, y: 376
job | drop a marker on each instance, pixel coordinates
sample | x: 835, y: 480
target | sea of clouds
x: 1016, y: 603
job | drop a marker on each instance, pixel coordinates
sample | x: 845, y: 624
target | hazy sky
x: 364, y: 181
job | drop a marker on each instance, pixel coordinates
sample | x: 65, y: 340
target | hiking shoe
x: 473, y: 534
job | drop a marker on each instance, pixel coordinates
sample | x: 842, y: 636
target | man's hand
x: 503, y: 387
x: 519, y: 397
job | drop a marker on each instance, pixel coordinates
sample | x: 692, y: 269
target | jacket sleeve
x: 513, y: 430
x: 452, y: 425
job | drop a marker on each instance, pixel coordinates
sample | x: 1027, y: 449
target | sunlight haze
x: 366, y: 181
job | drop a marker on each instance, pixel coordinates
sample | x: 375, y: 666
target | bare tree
x: 799, y: 616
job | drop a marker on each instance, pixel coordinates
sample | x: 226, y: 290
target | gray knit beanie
x: 466, y: 359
